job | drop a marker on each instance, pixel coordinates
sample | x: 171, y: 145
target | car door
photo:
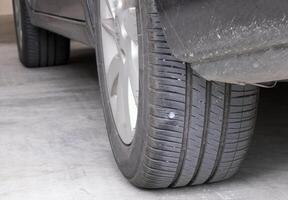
x: 72, y: 9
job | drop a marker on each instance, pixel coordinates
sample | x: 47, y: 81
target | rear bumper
x: 229, y: 40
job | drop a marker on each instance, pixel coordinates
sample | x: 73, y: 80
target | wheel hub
x: 120, y: 49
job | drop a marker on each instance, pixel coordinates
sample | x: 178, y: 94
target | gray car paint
x: 72, y: 9
x: 73, y: 28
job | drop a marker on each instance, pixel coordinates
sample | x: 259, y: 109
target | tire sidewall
x: 128, y: 157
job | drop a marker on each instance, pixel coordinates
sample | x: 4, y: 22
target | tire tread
x: 213, y: 122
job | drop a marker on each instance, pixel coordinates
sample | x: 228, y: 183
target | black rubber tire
x: 40, y: 48
x: 189, y: 131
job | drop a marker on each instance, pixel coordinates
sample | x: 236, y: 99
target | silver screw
x: 172, y: 115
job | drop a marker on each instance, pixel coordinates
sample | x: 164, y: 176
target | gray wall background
x: 5, y: 7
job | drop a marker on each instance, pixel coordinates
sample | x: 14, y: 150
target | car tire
x: 37, y: 47
x: 189, y: 131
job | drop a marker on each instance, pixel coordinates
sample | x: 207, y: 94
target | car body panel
x: 73, y: 28
x: 233, y: 41
x: 72, y: 9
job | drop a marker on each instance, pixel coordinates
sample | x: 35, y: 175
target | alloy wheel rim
x: 121, y: 60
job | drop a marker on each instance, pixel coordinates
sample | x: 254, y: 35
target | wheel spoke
x: 123, y: 104
x: 125, y: 4
x: 108, y: 40
x: 134, y: 80
x: 134, y: 71
x: 133, y: 109
x: 111, y: 7
x: 108, y: 25
x: 132, y: 62
x: 113, y: 74
x: 129, y: 22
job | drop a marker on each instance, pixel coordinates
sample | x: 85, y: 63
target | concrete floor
x: 53, y: 143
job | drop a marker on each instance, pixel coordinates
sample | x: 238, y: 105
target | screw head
x: 172, y: 115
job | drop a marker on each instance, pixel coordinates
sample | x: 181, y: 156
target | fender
x: 229, y: 40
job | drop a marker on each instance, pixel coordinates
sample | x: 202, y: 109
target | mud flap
x: 229, y: 40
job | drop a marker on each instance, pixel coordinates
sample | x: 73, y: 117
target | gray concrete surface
x: 53, y: 143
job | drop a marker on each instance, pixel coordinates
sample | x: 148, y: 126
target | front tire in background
x: 38, y: 47
x: 188, y: 131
